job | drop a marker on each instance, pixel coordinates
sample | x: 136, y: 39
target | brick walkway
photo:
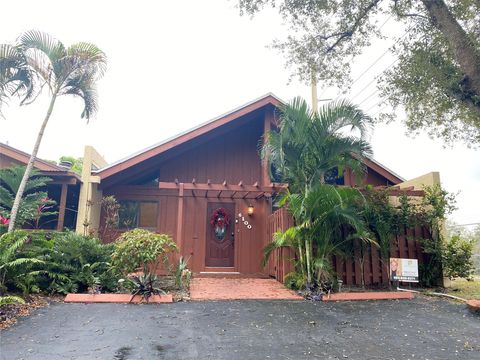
x: 238, y: 289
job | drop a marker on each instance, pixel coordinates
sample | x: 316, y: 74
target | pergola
x: 218, y: 190
x: 223, y: 190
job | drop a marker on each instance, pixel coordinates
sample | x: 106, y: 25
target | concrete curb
x: 362, y: 296
x: 116, y: 298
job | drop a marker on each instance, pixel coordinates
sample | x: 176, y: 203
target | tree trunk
x: 28, y: 170
x: 307, y: 256
x: 464, y: 50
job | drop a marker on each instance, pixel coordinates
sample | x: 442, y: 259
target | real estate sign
x: 405, y: 270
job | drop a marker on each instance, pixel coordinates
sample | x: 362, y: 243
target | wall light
x: 250, y: 210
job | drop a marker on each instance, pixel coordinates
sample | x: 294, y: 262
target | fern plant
x: 8, y: 300
x: 12, y: 265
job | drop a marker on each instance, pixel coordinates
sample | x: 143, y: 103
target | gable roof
x: 383, y: 170
x: 161, y: 147
x: 45, y: 167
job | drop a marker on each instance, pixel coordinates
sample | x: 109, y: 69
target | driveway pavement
x: 413, y: 329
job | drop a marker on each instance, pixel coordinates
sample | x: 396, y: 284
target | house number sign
x: 242, y: 220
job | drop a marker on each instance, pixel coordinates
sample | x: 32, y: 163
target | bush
x: 458, y: 258
x: 14, y: 263
x: 80, y: 263
x: 142, y: 250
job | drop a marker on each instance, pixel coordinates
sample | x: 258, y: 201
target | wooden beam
x: 68, y: 181
x: 233, y: 194
x: 221, y: 187
x: 179, y: 233
x: 259, y: 196
x: 246, y: 194
x: 62, y: 205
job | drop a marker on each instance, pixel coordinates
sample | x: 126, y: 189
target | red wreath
x: 220, y: 218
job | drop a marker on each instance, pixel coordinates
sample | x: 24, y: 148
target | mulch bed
x: 10, y: 313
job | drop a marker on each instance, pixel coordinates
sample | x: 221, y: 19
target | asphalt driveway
x: 417, y: 329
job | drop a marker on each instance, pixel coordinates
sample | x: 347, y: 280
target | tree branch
x: 349, y: 33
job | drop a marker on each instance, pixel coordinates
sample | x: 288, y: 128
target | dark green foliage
x: 35, y: 204
x: 55, y: 262
x: 142, y: 250
x: 436, y: 77
x: 295, y: 280
x: 80, y: 263
x: 145, y: 285
x: 309, y: 145
x: 14, y: 263
x: 457, y: 258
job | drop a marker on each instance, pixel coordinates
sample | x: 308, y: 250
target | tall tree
x: 437, y: 75
x: 308, y: 145
x: 38, y: 60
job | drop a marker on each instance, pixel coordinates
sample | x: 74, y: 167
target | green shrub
x: 14, y: 263
x: 142, y: 250
x: 79, y: 263
x: 182, y: 273
x: 458, y: 258
x: 8, y: 300
x: 295, y: 280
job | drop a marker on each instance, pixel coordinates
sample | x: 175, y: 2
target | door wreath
x: 219, y: 222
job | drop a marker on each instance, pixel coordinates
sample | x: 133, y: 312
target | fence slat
x: 404, y: 245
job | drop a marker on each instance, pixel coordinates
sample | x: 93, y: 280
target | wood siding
x: 232, y: 157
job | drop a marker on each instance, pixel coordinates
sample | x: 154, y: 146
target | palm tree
x: 308, y: 145
x: 38, y: 60
x: 325, y: 220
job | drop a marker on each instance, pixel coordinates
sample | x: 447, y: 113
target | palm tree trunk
x: 28, y: 170
x: 302, y: 259
x: 307, y: 257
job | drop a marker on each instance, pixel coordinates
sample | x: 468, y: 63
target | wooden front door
x: 220, y: 235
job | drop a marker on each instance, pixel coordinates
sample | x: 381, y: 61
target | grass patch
x: 465, y: 289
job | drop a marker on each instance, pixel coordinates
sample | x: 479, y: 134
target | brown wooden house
x: 63, y: 188
x: 207, y: 188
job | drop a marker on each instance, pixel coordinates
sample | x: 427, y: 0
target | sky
x: 175, y: 64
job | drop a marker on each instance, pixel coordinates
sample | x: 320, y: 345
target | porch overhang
x: 224, y: 190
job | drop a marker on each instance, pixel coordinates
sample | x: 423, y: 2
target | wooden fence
x: 364, y: 266
x: 281, y: 261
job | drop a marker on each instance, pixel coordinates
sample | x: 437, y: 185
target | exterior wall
x: 232, y: 157
x: 229, y: 156
x: 89, y: 204
x: 195, y: 221
x: 432, y: 178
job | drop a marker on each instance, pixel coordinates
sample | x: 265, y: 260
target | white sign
x: 405, y: 270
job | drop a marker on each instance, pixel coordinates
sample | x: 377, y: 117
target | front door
x: 220, y: 235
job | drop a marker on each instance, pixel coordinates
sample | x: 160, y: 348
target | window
x: 142, y: 214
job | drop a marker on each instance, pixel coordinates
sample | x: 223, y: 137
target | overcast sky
x: 175, y: 64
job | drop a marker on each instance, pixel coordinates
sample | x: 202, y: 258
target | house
x: 207, y: 187
x: 64, y: 187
